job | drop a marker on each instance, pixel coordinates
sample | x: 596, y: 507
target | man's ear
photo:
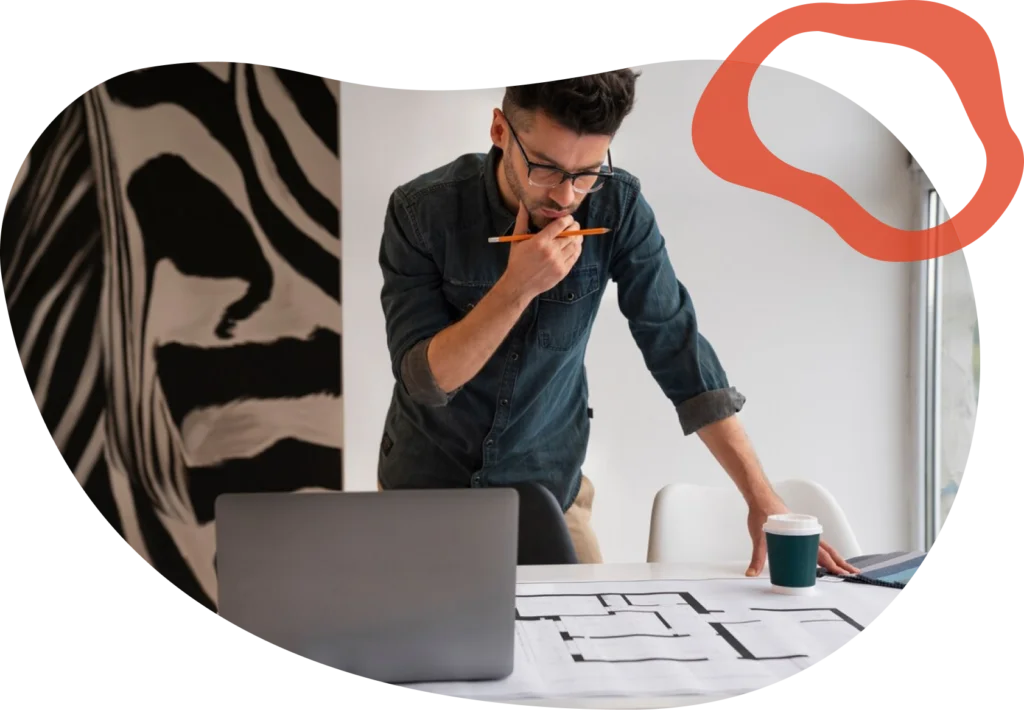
x: 499, y: 129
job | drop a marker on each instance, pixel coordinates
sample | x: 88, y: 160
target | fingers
x: 833, y: 562
x: 555, y: 228
x: 840, y: 563
x: 570, y: 243
x: 825, y: 560
x: 571, y: 247
x: 573, y: 251
x: 758, y: 557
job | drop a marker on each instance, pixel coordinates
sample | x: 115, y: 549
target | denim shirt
x: 526, y: 415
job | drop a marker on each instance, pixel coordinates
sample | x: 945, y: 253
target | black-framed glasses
x: 548, y: 176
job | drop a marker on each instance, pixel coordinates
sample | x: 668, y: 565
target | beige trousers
x: 577, y: 518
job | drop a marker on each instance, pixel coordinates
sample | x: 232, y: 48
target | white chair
x: 810, y: 498
x: 691, y: 523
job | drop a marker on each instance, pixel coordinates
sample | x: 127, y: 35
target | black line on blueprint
x: 745, y: 653
x: 838, y: 613
x: 580, y: 659
x: 630, y: 636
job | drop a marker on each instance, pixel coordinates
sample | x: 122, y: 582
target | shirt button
x: 476, y: 480
x: 572, y: 296
x: 504, y: 403
x: 515, y: 356
x: 490, y: 442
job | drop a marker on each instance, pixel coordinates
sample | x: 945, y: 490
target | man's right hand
x: 542, y: 261
x: 457, y: 353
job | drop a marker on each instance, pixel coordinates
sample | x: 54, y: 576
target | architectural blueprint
x: 670, y: 638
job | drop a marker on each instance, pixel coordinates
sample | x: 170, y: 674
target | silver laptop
x: 397, y: 586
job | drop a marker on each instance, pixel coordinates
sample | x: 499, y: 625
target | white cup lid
x: 792, y: 524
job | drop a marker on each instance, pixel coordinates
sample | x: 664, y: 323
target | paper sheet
x: 669, y: 638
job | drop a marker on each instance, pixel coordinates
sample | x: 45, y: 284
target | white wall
x: 813, y: 333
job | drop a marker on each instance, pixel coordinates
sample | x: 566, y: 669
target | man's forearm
x: 460, y: 351
x: 728, y: 443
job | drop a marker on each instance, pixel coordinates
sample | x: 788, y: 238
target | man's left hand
x: 828, y: 558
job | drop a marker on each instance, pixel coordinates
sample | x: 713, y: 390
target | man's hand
x: 539, y: 263
x: 828, y: 558
x: 460, y: 351
x: 729, y: 444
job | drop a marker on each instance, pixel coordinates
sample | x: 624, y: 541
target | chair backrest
x: 544, y: 537
x: 810, y: 498
x: 691, y: 523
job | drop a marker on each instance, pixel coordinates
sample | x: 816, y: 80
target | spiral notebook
x: 889, y: 570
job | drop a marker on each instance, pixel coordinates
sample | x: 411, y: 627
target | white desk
x: 629, y: 572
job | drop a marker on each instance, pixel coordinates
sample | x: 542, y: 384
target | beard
x: 533, y: 205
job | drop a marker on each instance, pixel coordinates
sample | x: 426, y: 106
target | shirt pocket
x: 464, y: 295
x: 566, y: 311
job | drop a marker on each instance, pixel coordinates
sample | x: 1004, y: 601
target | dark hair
x: 595, y: 104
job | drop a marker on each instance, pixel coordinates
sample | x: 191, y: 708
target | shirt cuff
x: 708, y: 408
x: 419, y: 380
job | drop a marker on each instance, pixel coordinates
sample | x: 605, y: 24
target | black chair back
x: 543, y: 534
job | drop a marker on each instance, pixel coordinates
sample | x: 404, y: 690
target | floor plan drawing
x: 671, y: 637
x: 596, y: 628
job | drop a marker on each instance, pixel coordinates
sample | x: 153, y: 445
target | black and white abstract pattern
x: 170, y: 256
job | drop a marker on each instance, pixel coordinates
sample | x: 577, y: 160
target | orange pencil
x: 570, y: 233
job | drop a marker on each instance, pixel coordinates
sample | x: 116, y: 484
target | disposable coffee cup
x: 792, y: 552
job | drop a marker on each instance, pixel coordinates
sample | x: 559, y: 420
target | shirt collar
x: 502, y: 218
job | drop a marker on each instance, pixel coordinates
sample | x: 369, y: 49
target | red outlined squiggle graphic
x: 726, y: 142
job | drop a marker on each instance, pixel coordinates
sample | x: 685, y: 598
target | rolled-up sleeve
x: 415, y: 308
x: 663, y: 322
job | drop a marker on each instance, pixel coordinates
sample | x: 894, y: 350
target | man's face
x: 547, y: 143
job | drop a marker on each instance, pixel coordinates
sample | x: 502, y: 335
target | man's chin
x: 540, y: 222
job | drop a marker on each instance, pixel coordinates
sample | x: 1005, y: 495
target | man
x: 487, y: 340
x: 157, y: 308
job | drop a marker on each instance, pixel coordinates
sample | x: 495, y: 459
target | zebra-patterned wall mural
x: 170, y: 256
